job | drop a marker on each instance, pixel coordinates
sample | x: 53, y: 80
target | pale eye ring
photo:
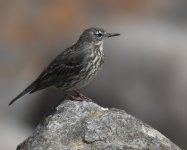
x: 99, y: 34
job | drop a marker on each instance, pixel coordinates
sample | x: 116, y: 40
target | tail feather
x: 27, y: 90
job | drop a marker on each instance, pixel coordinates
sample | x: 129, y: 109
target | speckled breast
x: 89, y: 72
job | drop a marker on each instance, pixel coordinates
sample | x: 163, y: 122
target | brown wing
x: 65, y: 65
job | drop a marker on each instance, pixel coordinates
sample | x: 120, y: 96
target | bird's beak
x: 112, y: 34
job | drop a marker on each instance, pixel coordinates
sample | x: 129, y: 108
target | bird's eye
x: 99, y: 34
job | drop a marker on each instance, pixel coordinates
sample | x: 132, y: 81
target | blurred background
x: 145, y: 71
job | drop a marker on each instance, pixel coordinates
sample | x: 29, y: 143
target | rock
x: 87, y: 126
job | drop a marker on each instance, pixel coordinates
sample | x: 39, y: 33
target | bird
x: 75, y: 67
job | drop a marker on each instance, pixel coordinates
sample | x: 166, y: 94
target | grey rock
x: 87, y: 126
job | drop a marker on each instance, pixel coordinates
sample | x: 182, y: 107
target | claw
x: 78, y: 97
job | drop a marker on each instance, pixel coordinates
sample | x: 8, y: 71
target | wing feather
x: 65, y: 66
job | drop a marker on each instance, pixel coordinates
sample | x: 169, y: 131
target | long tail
x: 27, y: 90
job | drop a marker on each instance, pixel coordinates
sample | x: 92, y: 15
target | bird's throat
x: 100, y: 45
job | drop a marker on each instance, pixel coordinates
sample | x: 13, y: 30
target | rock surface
x: 87, y: 126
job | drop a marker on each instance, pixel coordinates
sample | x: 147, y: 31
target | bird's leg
x: 72, y: 97
x: 77, y: 97
x: 80, y: 95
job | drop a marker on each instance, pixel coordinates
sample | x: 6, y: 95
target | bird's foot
x: 78, y: 97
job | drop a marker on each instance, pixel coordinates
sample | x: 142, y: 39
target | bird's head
x: 96, y: 35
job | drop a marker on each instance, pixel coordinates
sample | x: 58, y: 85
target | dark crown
x: 96, y: 35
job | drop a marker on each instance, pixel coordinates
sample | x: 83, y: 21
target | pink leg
x: 78, y: 94
x: 77, y: 97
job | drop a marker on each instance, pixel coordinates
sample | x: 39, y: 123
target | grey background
x: 145, y: 71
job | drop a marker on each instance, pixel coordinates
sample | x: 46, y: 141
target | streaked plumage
x: 75, y: 67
